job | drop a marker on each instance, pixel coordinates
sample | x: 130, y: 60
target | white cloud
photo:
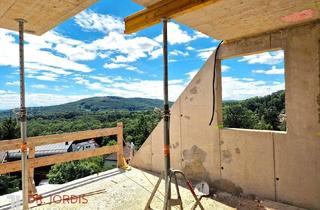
x: 175, y: 35
x: 130, y: 48
x: 156, y: 53
x: 35, y: 68
x: 104, y: 54
x: 269, y: 58
x: 233, y: 88
x: 107, y: 79
x: 225, y: 68
x: 37, y: 56
x: 14, y: 83
x: 125, y: 48
x: 175, y: 82
x: 243, y: 88
x: 102, y: 79
x: 178, y: 36
x: 134, y: 69
x: 90, y: 20
x: 76, y: 52
x: 39, y: 86
x: 205, y: 53
x: 272, y: 71
x: 191, y: 74
x: 90, y: 85
x: 115, y: 65
x: 190, y: 48
x: 178, y: 52
x: 59, y: 54
x: 159, y: 52
x: 36, y: 51
x: 133, y: 87
x: 6, y: 92
x: 146, y: 89
x: 123, y: 66
x: 247, y: 79
x: 44, y: 76
x: 238, y: 89
x: 199, y: 35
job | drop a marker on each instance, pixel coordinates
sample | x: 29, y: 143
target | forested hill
x: 139, y: 118
x: 94, y: 104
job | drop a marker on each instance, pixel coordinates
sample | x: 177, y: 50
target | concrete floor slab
x: 118, y: 189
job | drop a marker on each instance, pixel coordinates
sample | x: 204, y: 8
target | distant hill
x: 95, y: 104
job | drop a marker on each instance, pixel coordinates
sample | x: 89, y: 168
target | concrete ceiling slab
x: 41, y: 16
x: 234, y: 19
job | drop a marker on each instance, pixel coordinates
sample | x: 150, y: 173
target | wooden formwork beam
x: 162, y: 9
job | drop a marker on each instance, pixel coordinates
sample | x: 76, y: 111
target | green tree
x: 9, y: 129
x: 271, y: 116
x: 238, y: 116
x: 264, y: 113
x: 9, y: 184
x: 66, y: 172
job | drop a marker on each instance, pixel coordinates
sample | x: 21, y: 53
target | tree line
x: 265, y: 113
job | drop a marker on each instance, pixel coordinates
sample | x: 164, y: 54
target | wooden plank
x: 5, y: 5
x: 57, y: 138
x: 120, y: 145
x: 235, y: 19
x: 41, y: 16
x: 162, y: 9
x: 60, y: 158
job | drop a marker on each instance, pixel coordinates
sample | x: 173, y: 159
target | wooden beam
x: 60, y: 158
x: 57, y: 138
x: 251, y: 45
x: 162, y: 9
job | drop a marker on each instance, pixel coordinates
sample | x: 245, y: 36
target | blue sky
x: 89, y: 55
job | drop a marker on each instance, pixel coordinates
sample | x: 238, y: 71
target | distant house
x: 43, y: 150
x: 87, y: 145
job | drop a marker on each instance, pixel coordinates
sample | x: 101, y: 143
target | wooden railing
x: 32, y: 142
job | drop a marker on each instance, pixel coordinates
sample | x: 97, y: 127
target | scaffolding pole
x: 169, y: 173
x: 23, y: 118
x: 166, y: 118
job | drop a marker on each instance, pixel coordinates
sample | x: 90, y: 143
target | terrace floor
x: 118, y: 189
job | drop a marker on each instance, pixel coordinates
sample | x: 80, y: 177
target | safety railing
x: 32, y: 142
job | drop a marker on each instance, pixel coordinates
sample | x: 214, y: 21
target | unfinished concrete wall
x: 298, y: 155
x: 247, y: 160
x: 282, y: 166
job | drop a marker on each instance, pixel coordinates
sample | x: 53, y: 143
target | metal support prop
x: 23, y: 118
x: 166, y: 117
x: 169, y: 174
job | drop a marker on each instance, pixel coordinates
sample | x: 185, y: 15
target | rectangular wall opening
x: 253, y: 91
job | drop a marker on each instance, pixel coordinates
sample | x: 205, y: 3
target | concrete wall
x: 282, y: 166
